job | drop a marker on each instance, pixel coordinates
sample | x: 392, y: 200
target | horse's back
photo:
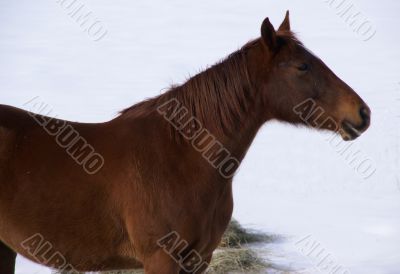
x: 14, y: 122
x: 13, y: 118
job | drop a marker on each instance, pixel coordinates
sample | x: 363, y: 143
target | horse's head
x: 297, y: 87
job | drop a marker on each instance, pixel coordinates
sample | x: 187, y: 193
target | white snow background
x: 292, y: 182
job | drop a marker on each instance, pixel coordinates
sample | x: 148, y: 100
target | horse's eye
x: 303, y: 67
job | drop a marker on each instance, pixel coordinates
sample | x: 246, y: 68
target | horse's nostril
x: 365, y: 114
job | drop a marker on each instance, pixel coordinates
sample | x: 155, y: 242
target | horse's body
x: 100, y: 221
x: 153, y: 182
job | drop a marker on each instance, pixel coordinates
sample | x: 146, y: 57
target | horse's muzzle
x: 349, y: 131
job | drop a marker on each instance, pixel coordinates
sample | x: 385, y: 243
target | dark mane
x: 220, y: 91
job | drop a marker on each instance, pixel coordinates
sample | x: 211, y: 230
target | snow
x: 293, y: 182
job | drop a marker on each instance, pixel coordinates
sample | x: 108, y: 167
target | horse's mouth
x: 348, y: 131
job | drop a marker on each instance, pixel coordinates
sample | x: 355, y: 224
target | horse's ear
x: 285, y: 26
x: 268, y: 34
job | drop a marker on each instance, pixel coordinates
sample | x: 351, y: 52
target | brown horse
x: 152, y: 188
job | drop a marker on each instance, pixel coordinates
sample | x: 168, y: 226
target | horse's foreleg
x: 161, y: 263
x: 7, y: 259
x: 200, y: 270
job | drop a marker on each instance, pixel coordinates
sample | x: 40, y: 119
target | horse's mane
x: 218, y: 97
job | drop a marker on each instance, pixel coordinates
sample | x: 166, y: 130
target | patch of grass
x: 236, y: 260
x: 235, y: 236
x: 233, y: 257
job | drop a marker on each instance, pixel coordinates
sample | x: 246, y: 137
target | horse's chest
x: 214, y: 219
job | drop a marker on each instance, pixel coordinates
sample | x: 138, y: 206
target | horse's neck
x: 239, y: 142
